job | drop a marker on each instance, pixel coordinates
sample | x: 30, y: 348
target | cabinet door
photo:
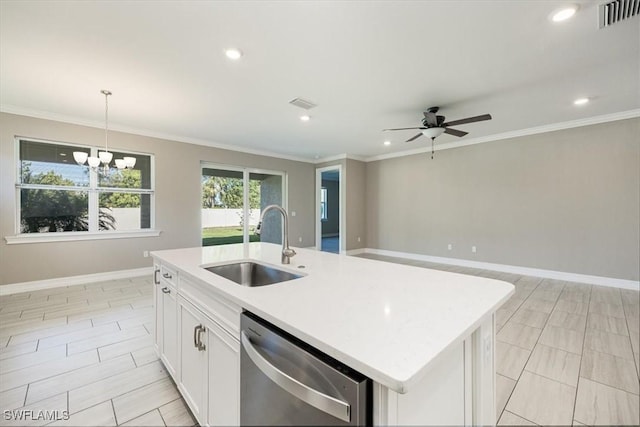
x: 193, y: 362
x: 224, y: 377
x: 169, y: 328
x: 157, y: 310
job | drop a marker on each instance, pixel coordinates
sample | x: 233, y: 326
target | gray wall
x: 177, y: 201
x: 566, y: 201
x: 355, y: 204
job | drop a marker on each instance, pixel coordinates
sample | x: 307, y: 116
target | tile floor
x: 566, y: 353
x: 85, y: 349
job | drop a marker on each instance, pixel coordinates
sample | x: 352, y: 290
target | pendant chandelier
x: 104, y: 157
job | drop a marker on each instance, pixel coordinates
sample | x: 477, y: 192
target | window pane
x: 51, y: 164
x: 53, y: 211
x: 124, y: 211
x: 138, y: 177
x: 265, y: 190
x: 222, y: 207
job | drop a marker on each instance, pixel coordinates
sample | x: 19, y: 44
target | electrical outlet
x: 300, y: 239
x: 358, y: 238
x: 293, y: 213
x: 449, y: 246
x: 145, y: 254
x: 473, y: 249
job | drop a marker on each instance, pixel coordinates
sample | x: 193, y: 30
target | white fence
x: 129, y: 218
x: 227, y: 217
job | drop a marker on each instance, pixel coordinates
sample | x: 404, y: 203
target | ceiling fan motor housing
x: 426, y: 123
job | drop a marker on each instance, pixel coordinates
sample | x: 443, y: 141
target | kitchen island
x: 425, y: 337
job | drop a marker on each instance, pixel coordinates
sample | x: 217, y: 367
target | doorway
x: 329, y: 209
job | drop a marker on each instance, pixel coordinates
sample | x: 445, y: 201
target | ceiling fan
x: 433, y: 126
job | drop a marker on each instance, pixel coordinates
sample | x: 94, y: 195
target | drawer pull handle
x: 155, y: 277
x: 197, y: 339
x: 166, y: 290
x: 166, y: 275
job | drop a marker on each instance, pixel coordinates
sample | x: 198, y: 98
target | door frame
x: 341, y: 208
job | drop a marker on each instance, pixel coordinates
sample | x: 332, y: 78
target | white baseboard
x: 58, y: 282
x: 355, y: 251
x: 525, y: 271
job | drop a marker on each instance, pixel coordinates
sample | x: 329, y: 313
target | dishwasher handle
x: 315, y: 398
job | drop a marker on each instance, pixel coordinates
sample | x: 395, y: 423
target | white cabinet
x: 197, y: 338
x: 209, y: 373
x: 165, y: 319
x: 157, y: 313
x: 193, y: 363
x: 224, y: 377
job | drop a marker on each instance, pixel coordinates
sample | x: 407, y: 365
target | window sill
x: 78, y: 235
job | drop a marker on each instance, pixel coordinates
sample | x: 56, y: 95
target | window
x: 323, y: 204
x: 56, y: 195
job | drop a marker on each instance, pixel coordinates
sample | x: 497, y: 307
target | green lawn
x: 224, y: 235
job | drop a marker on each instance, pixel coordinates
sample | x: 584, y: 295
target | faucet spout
x: 287, y: 252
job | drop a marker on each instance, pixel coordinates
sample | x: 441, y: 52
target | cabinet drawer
x: 223, y: 311
x: 169, y: 274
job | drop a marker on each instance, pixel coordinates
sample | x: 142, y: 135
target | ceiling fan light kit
x: 433, y: 132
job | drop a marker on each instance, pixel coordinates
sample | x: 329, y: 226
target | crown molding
x: 630, y: 114
x: 46, y: 115
x: 340, y: 157
x: 12, y: 109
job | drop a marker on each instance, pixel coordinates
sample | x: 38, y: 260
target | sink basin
x: 252, y: 274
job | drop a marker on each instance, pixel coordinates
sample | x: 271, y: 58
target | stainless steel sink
x: 252, y: 274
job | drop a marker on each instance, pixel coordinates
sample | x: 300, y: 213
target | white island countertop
x: 388, y: 321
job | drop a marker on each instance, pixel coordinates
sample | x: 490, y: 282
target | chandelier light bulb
x: 94, y: 162
x: 105, y: 157
x: 80, y: 157
x: 129, y: 162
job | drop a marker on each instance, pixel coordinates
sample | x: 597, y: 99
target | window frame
x: 93, y: 190
x: 324, y: 202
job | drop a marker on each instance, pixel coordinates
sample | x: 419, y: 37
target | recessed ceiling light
x: 564, y: 13
x: 233, y: 53
x: 305, y: 118
x: 581, y: 101
x: 387, y: 143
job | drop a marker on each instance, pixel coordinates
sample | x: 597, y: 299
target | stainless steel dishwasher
x: 287, y: 382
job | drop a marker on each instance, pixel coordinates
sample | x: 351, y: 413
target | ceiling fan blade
x: 455, y: 132
x: 384, y: 130
x: 468, y: 120
x: 414, y: 137
x: 432, y: 120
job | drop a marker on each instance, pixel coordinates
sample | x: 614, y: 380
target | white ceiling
x: 368, y: 66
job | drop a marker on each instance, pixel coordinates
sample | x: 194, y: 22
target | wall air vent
x: 618, y: 10
x: 303, y: 103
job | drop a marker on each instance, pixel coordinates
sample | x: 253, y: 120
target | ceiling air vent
x: 618, y: 10
x: 303, y: 103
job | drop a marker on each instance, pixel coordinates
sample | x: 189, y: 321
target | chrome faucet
x: 287, y: 252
